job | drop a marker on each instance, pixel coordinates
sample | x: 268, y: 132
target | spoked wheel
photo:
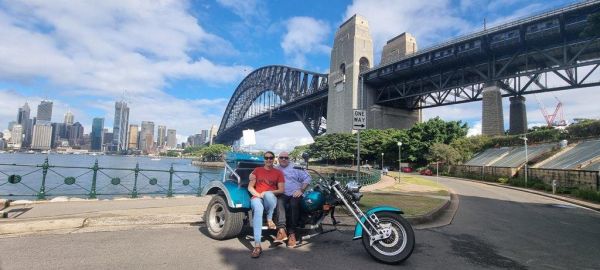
x: 396, y: 248
x: 220, y: 221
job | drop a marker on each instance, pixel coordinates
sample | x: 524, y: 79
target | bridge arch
x: 288, y: 84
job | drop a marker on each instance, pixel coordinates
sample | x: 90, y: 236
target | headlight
x: 353, y: 186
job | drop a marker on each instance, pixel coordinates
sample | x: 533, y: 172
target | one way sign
x: 359, y: 119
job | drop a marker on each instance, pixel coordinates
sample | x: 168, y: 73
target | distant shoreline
x: 209, y: 164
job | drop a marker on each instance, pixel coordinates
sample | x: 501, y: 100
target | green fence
x: 46, y: 180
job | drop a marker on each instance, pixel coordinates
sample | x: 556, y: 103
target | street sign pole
x: 358, y: 156
x: 359, y: 121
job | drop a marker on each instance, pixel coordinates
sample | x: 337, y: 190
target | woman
x: 265, y: 183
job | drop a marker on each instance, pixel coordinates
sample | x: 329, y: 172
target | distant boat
x: 155, y: 159
x: 30, y: 152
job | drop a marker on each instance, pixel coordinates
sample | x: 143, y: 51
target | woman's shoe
x: 256, y: 252
x: 271, y: 225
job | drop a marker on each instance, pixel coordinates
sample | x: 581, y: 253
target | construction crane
x: 556, y: 119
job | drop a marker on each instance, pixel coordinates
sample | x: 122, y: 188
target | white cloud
x: 283, y: 138
x: 474, y: 130
x: 304, y: 36
x: 248, y: 10
x: 109, y: 46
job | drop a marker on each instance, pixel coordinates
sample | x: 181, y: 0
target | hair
x: 269, y: 152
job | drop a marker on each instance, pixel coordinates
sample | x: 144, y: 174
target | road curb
x: 557, y: 197
x: 435, y: 213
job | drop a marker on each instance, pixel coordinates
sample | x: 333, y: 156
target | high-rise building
x: 171, y: 139
x: 108, y: 139
x: 11, y: 124
x: 133, y: 137
x: 42, y: 136
x: 120, y: 126
x: 26, y: 124
x: 161, y: 136
x: 204, y: 136
x: 76, y: 134
x: 59, y: 131
x: 16, y: 136
x: 69, y: 118
x: 213, y: 133
x: 97, y: 134
x: 147, y: 136
x: 44, y: 112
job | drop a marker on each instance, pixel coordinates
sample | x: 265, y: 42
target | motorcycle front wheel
x: 396, y: 248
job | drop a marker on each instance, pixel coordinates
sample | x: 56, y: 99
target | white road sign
x: 359, y: 119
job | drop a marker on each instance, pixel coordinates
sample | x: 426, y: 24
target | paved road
x: 494, y: 228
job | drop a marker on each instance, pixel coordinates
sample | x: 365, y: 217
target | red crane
x: 557, y: 119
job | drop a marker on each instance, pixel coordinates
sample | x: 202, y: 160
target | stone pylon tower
x: 352, y: 52
x: 492, y: 116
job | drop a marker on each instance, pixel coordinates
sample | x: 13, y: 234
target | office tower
x: 42, y: 136
x: 76, y: 134
x: 11, y: 124
x: 16, y: 136
x: 147, y: 136
x: 133, y: 137
x: 204, y: 136
x: 108, y: 139
x: 69, y: 118
x: 213, y: 133
x: 171, y: 139
x: 26, y: 124
x: 59, y: 131
x: 96, y: 134
x: 120, y: 126
x: 44, y: 112
x: 161, y: 136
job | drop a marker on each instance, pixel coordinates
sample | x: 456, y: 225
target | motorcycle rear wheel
x: 221, y: 222
x: 398, y: 247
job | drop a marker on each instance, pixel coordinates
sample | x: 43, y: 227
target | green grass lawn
x: 411, y: 205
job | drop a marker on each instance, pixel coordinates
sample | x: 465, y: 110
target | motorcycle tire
x: 221, y: 222
x: 398, y: 247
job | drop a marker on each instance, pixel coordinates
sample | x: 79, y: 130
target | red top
x: 267, y: 180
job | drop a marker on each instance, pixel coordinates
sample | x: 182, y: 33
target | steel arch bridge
x: 272, y: 96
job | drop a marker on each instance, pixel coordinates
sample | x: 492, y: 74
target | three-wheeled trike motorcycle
x: 385, y: 234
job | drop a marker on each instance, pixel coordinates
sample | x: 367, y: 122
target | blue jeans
x: 259, y: 205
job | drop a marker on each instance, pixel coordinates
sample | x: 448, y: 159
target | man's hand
x: 297, y: 193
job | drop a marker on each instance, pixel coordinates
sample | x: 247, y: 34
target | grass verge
x: 411, y: 205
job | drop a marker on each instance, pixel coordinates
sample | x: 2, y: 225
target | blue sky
x: 178, y: 62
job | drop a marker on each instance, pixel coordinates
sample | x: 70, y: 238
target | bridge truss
x: 275, y: 95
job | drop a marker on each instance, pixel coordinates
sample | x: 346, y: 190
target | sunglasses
x: 284, y: 158
x: 269, y: 158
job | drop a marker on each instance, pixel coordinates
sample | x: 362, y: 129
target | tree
x: 193, y: 150
x: 296, y: 154
x: 444, y: 153
x: 214, y: 152
x: 467, y: 147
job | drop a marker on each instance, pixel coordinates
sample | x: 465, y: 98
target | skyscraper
x: 76, y: 134
x: 97, y: 134
x: 16, y: 136
x: 147, y: 136
x: 133, y: 137
x: 42, y: 136
x: 69, y: 118
x: 26, y: 125
x: 213, y: 133
x: 44, y: 112
x: 171, y: 139
x: 204, y: 136
x: 120, y: 126
x: 161, y: 136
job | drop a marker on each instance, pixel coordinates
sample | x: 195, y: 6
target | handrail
x: 227, y: 168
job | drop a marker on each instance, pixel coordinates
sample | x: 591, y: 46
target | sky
x: 177, y: 63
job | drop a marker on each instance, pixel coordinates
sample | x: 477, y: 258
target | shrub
x: 503, y: 180
x: 587, y: 194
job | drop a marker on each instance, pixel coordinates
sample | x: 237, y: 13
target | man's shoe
x: 292, y: 240
x: 281, y: 236
x: 256, y: 252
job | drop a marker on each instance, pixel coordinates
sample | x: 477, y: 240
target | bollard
x: 554, y: 184
x: 134, y: 193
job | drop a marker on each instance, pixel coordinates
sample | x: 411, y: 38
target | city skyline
x: 186, y: 83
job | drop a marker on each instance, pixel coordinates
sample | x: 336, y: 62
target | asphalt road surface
x: 494, y: 228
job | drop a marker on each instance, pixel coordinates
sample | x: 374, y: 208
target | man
x: 296, y: 182
x: 265, y: 183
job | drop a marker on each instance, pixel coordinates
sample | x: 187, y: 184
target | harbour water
x: 73, y: 175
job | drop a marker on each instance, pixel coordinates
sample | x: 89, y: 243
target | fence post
x: 134, y: 193
x: 598, y: 181
x: 93, y: 189
x: 42, y: 193
x: 199, y: 183
x: 170, y: 191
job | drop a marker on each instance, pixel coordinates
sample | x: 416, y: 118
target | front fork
x: 380, y: 232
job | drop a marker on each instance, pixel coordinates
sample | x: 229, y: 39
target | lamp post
x: 524, y: 138
x: 382, y: 161
x: 399, y: 159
